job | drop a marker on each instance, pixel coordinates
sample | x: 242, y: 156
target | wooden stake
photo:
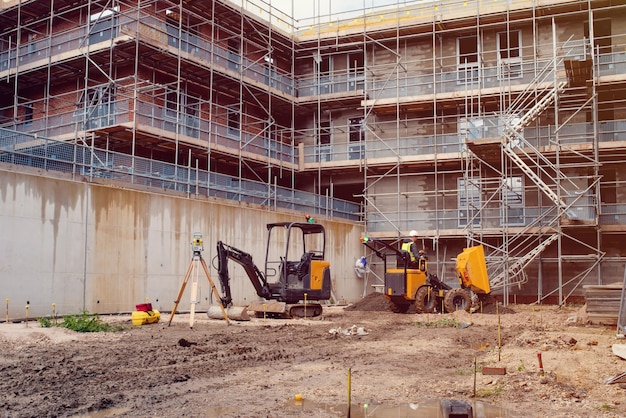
x: 475, y: 371
x: 499, y: 336
x: 349, y: 390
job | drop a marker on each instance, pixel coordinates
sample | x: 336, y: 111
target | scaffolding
x: 499, y: 123
x: 515, y: 124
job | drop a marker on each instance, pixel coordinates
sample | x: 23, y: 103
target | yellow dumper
x: 406, y: 287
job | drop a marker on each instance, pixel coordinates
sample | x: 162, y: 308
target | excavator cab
x: 301, y: 267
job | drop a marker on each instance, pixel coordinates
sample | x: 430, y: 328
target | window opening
x: 356, y: 74
x: 513, y: 201
x: 28, y: 114
x: 234, y: 121
x: 192, y: 120
x: 356, y: 138
x: 509, y: 54
x: 469, y: 201
x: 323, y: 138
x: 467, y: 55
x: 97, y: 107
x: 234, y: 58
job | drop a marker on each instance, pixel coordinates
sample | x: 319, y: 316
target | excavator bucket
x: 236, y: 313
x: 270, y: 307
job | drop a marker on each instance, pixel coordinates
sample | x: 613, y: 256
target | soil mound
x: 376, y: 302
x: 373, y: 302
x: 492, y: 309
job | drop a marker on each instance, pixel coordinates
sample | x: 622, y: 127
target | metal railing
x: 205, y: 52
x: 92, y: 164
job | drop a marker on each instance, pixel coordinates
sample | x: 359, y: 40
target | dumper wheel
x: 399, y: 307
x: 425, y: 300
x: 457, y: 299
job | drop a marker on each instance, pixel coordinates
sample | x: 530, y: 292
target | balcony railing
x: 425, y: 145
x: 204, y: 52
x: 492, y: 218
x: 33, y: 151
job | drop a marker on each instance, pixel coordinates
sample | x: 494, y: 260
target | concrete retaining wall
x: 104, y: 249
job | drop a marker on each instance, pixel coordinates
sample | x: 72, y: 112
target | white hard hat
x: 413, y: 233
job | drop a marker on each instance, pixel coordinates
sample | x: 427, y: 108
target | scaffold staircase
x: 507, y: 263
x: 515, y: 145
x: 515, y: 272
x: 505, y: 267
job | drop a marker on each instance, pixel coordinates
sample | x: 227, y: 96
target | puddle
x: 430, y: 409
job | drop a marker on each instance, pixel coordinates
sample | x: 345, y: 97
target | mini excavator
x: 302, y: 274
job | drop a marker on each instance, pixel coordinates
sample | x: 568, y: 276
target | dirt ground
x: 400, y: 365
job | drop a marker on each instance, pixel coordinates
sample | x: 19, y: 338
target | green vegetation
x: 466, y: 372
x: 490, y: 391
x: 44, y: 322
x: 82, y: 322
x: 441, y: 323
x: 606, y: 407
x: 521, y: 367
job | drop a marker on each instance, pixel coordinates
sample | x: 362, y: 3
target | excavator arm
x: 256, y: 276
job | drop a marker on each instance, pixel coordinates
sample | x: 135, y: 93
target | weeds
x: 82, y: 322
x: 606, y: 407
x: 488, y: 392
x: 441, y: 323
x: 466, y: 372
x: 44, y: 322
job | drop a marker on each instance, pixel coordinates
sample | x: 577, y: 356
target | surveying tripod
x: 193, y: 271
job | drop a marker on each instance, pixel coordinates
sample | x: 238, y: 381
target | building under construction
x: 494, y: 122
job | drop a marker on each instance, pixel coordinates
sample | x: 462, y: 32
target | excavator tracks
x: 275, y: 309
x: 310, y: 310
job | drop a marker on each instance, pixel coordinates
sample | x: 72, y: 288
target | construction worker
x: 414, y: 252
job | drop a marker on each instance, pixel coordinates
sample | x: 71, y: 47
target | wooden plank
x: 494, y: 371
x: 603, y: 303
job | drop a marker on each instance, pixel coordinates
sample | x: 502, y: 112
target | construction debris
x: 494, y: 371
x: 185, y: 343
x: 353, y: 330
x: 568, y: 340
x: 620, y: 378
x: 619, y: 350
